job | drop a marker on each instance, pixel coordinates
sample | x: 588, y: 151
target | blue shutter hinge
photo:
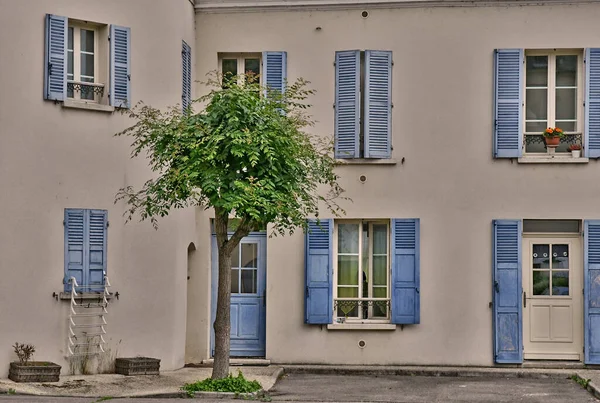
x: 64, y: 223
x: 392, y: 62
x: 307, y: 292
x: 107, y: 224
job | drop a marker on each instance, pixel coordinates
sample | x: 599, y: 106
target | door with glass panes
x: 552, y: 299
x: 248, y: 280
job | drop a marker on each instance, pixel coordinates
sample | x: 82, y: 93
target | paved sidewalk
x: 167, y: 384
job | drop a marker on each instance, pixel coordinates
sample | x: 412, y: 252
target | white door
x: 552, y: 299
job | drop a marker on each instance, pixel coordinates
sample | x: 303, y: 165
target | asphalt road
x: 417, y: 389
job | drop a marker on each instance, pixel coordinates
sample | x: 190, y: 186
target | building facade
x: 468, y: 241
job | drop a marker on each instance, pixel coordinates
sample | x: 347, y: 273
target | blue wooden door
x: 248, y: 280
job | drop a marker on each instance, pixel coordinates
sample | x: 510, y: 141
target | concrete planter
x: 137, y: 366
x: 35, y: 371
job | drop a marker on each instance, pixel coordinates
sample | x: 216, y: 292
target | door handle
x: 524, y: 299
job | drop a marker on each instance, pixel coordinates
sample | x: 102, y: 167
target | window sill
x: 361, y: 326
x: 553, y: 160
x: 365, y: 161
x: 89, y: 106
x: 84, y: 295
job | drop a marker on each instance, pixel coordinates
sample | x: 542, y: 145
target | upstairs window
x: 553, y: 97
x: 239, y: 65
x: 82, y: 50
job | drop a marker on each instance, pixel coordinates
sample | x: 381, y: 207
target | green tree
x: 248, y: 156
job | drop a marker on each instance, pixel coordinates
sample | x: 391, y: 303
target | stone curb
x: 429, y: 371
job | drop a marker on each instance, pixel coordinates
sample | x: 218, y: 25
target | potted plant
x: 575, y: 150
x: 552, y: 136
x: 31, y: 371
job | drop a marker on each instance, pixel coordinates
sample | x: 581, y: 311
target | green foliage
x: 237, y: 384
x: 581, y: 381
x: 12, y: 391
x: 247, y: 154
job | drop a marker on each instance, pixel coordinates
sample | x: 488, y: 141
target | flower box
x: 137, y: 366
x: 34, y: 371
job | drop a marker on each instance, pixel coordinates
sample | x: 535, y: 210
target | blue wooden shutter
x: 186, y: 61
x: 405, y: 287
x: 96, y: 249
x: 378, y: 104
x: 275, y: 70
x: 347, y: 104
x: 507, y: 291
x: 120, y: 67
x: 508, y: 99
x: 319, y: 272
x: 74, y: 246
x: 55, y: 58
x: 592, y: 103
x: 591, y: 304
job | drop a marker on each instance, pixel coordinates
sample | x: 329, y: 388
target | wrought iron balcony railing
x: 362, y: 308
x: 86, y: 90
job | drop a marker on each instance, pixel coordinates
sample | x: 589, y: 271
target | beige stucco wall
x: 52, y: 158
x: 442, y: 127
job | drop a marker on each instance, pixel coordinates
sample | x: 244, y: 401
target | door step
x: 242, y: 361
x: 553, y: 364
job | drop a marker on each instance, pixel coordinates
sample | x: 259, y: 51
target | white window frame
x: 551, y: 93
x: 360, y: 270
x: 241, y: 58
x: 77, y: 27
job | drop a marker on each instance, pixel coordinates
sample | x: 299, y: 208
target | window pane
x: 541, y: 256
x: 229, y: 67
x: 347, y: 308
x: 566, y: 126
x: 541, y: 283
x: 536, y: 127
x: 537, y: 71
x: 566, y: 103
x: 380, y: 270
x: 235, y: 281
x: 87, y: 41
x: 235, y: 257
x: 249, y: 258
x: 550, y: 225
x: 87, y: 67
x: 248, y: 282
x: 566, y: 71
x: 560, y: 257
x: 70, y: 39
x: 348, y: 270
x: 348, y: 238
x: 380, y: 307
x: 537, y: 104
x: 365, y: 261
x: 252, y: 67
x: 560, y: 283
x: 70, y: 67
x: 380, y: 239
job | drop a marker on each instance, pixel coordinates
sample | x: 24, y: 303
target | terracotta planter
x: 34, y: 371
x: 552, y: 141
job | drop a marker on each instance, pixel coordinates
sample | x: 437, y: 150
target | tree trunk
x: 222, y: 321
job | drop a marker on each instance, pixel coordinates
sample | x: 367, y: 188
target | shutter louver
x: 319, y: 271
x: 378, y: 104
x: 347, y: 104
x: 55, y: 58
x: 186, y: 59
x: 592, y: 103
x: 508, y: 128
x: 275, y: 70
x: 591, y: 303
x: 120, y: 74
x: 507, y: 291
x: 405, y: 287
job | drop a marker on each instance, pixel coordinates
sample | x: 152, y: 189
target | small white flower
x: 244, y: 169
